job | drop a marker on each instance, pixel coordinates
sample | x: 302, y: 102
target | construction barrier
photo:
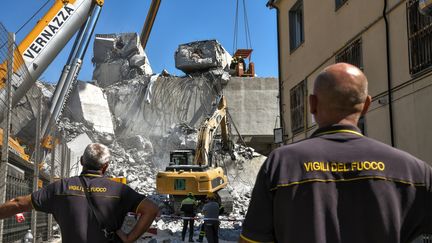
x: 177, y: 217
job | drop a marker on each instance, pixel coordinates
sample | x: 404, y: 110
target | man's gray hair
x: 95, y: 156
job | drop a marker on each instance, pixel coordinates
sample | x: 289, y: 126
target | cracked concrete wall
x: 253, y: 104
x: 174, y: 100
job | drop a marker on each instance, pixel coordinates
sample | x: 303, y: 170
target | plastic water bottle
x: 28, y: 237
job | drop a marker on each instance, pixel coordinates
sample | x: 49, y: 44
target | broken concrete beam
x: 103, y: 48
x: 118, y: 57
x: 108, y: 47
x: 201, y: 56
x: 88, y: 104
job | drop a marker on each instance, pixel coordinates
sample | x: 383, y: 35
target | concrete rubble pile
x: 119, y: 57
x: 142, y: 117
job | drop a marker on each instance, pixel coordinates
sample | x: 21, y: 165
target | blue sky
x: 178, y: 22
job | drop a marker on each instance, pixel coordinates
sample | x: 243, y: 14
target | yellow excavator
x: 193, y: 170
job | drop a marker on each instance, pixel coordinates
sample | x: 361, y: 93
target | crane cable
x: 246, y: 26
x: 32, y: 17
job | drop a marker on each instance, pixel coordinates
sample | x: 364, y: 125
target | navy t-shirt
x: 66, y: 200
x: 340, y: 186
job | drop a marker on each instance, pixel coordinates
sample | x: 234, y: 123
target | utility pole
x: 36, y: 163
x: 6, y: 127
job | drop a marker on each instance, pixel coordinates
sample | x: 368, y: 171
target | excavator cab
x: 182, y: 157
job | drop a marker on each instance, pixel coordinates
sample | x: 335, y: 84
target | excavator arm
x: 208, y: 129
x: 148, y: 24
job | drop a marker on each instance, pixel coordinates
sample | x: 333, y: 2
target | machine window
x: 180, y: 184
x: 419, y: 39
x: 296, y: 25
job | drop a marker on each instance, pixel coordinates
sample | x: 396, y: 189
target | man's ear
x: 81, y: 161
x: 104, y: 167
x: 366, y: 105
x: 313, y: 102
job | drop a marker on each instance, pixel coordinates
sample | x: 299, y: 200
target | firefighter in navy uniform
x: 338, y: 185
x: 66, y: 200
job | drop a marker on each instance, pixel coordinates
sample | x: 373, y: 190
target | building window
x: 297, y: 97
x: 296, y: 25
x: 352, y: 54
x: 419, y: 38
x: 339, y: 3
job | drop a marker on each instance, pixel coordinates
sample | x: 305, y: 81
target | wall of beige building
x: 326, y: 32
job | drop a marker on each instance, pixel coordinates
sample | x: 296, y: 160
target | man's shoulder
x: 380, y: 147
x: 298, y: 147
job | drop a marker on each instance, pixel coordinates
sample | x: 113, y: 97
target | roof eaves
x: 270, y: 4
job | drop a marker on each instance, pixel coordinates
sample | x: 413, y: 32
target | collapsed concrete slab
x: 118, y: 57
x: 88, y: 104
x: 202, y: 56
x: 174, y: 100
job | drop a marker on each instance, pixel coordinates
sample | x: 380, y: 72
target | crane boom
x: 148, y: 24
x: 44, y: 42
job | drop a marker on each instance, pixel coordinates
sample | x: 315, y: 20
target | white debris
x: 149, y: 91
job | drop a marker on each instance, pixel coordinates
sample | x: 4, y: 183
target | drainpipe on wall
x: 281, y: 117
x: 389, y: 78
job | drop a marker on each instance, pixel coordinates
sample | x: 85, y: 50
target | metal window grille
x: 419, y: 38
x: 339, y: 3
x: 296, y: 25
x: 427, y: 239
x: 352, y: 54
x: 297, y: 97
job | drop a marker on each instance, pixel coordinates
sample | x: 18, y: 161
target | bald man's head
x: 340, y: 91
